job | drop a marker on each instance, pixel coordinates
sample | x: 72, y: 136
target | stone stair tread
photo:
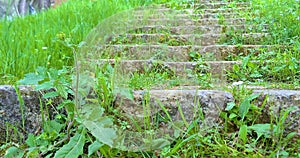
x: 181, y: 53
x: 194, y: 46
x: 217, y: 68
x: 218, y: 10
x: 220, y: 4
x: 185, y: 39
x: 216, y: 28
x: 188, y: 15
x: 179, y: 22
x: 160, y: 10
x: 213, y: 5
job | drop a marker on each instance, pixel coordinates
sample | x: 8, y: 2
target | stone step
x: 208, y: 5
x: 210, y: 103
x: 185, y: 22
x: 187, y: 39
x: 219, y: 10
x: 171, y: 15
x: 217, y: 5
x: 181, y: 53
x: 161, y: 10
x: 216, y: 68
x: 10, y: 111
x: 195, y: 29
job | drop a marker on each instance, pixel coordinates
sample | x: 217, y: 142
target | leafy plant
x: 47, y: 79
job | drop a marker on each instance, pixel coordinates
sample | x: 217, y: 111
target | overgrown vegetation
x: 93, y: 130
x: 280, y: 65
x: 40, y: 40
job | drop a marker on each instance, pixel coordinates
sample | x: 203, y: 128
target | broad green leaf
x: 236, y: 68
x: 52, y: 125
x: 291, y: 135
x: 74, y: 148
x: 230, y: 106
x: 41, y: 70
x: 61, y: 90
x: 94, y: 147
x: 97, y: 124
x: 262, y: 129
x: 232, y: 116
x: 101, y: 131
x: 14, y: 152
x: 44, y: 86
x: 245, y: 105
x: 91, y: 112
x: 243, y: 133
x: 126, y: 92
x: 244, y: 108
x: 245, y: 61
x: 31, y: 79
x: 31, y: 140
x: 153, y: 144
x: 50, y: 95
x: 253, y: 96
x: 32, y: 153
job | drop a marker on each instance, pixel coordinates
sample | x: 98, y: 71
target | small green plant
x: 157, y: 75
x: 201, y: 70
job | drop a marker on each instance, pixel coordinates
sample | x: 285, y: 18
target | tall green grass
x: 283, y: 18
x: 39, y: 40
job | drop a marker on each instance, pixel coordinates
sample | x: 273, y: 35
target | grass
x: 98, y: 131
x: 280, y: 65
x: 40, y: 40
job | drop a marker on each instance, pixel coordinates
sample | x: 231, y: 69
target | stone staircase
x: 199, y: 27
x: 164, y: 44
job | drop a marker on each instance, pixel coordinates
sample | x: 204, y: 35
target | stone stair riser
x: 211, y: 103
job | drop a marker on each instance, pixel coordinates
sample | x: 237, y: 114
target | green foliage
x: 90, y: 130
x: 268, y: 67
x: 47, y: 79
x: 74, y: 148
x: 98, y: 125
x: 38, y: 40
x: 14, y: 152
x: 94, y: 147
x: 242, y: 114
x: 282, y: 16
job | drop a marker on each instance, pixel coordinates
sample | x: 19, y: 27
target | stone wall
x: 11, y: 112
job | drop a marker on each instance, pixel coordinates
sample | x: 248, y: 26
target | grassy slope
x: 38, y: 40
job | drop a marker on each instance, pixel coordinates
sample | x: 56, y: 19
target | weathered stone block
x: 11, y: 112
